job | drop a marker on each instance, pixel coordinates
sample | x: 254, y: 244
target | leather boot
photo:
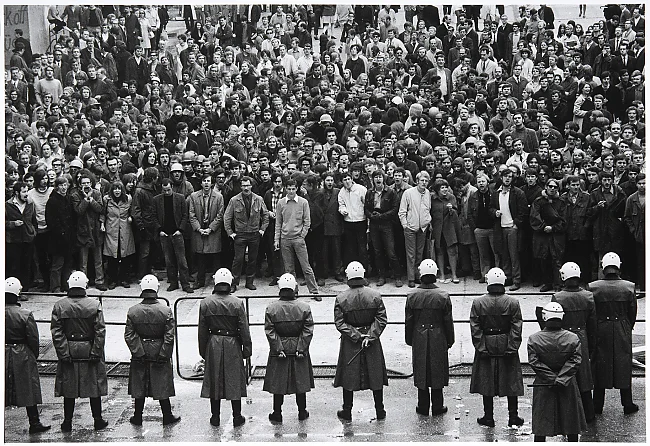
x: 136, y: 419
x: 346, y: 412
x: 237, y: 418
x: 215, y: 409
x: 68, y: 412
x: 513, y: 412
x: 437, y: 402
x: 249, y: 283
x: 301, y: 401
x: 168, y: 416
x: 378, y: 396
x: 423, y: 402
x: 276, y: 415
x: 96, y: 409
x: 35, y: 425
x: 488, y: 407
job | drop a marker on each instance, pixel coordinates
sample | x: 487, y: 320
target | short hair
x: 604, y: 174
x: 422, y: 174
x: 291, y: 182
x: 640, y: 177
x: 246, y: 178
x: 150, y: 174
x: 165, y: 182
x: 572, y: 178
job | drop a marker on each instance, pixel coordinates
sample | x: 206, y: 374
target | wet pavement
x: 401, y: 424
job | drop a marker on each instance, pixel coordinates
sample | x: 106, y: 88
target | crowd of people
x: 257, y: 137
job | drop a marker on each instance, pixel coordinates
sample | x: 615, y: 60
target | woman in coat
x: 289, y: 327
x: 119, y: 241
x: 224, y: 343
x: 429, y: 329
x: 446, y: 227
x: 59, y: 217
x: 22, y: 383
x: 206, y: 208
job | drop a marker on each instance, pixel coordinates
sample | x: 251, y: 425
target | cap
x: 326, y: 117
x: 76, y: 163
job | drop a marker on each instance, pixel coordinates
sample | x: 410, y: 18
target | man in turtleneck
x: 495, y: 322
x: 579, y: 318
x: 289, y: 328
x: 430, y: 331
x: 22, y: 383
x: 149, y: 334
x: 555, y: 356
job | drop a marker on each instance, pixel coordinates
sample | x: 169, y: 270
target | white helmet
x: 13, y: 286
x: 223, y: 275
x: 149, y: 282
x: 78, y: 280
x: 495, y: 276
x: 287, y: 281
x: 552, y: 310
x: 428, y: 266
x: 569, y: 270
x: 355, y: 270
x: 611, y: 259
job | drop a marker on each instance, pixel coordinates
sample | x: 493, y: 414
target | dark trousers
x: 273, y: 256
x: 580, y: 252
x: 227, y: 254
x: 43, y: 256
x: 242, y: 241
x: 356, y: 242
x: 332, y: 254
x: 314, y: 240
x: 144, y: 249
x: 18, y: 258
x: 599, y: 398
x: 95, y: 408
x: 437, y: 399
x: 173, y: 247
x: 400, y: 246
x: 117, y: 268
x: 205, y: 263
x: 383, y: 243
x: 60, y: 270
x: 640, y: 265
x: 588, y: 405
x: 377, y: 395
x: 488, y: 406
x: 215, y: 407
x: 301, y: 402
x: 165, y: 407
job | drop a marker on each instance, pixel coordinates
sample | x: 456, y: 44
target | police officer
x: 289, y: 327
x: 430, y: 331
x: 78, y: 335
x: 555, y: 354
x: 22, y: 383
x: 616, y: 313
x: 224, y: 343
x: 579, y: 318
x: 360, y: 317
x: 149, y: 334
x: 496, y: 323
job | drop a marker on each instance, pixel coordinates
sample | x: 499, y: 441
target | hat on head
x: 325, y: 118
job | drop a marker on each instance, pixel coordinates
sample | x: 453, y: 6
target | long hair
x: 123, y: 196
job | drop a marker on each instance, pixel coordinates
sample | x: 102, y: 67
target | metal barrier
x: 250, y: 368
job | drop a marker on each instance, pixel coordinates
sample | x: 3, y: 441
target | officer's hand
x: 497, y: 213
x: 163, y: 234
x: 66, y: 359
x: 94, y: 359
x: 282, y: 354
x: 233, y: 235
x: 261, y: 233
x: 19, y: 223
x: 300, y: 355
x: 176, y: 233
x: 276, y: 246
x: 365, y: 342
x: 548, y: 229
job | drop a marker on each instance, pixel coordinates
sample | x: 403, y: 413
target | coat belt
x: 231, y: 333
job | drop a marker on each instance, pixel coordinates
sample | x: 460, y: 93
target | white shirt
x: 352, y: 201
x: 504, y: 207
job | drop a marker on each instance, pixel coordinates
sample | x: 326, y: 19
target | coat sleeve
x: 304, y: 340
x: 344, y: 328
x: 132, y: 339
x: 215, y: 224
x: 542, y: 371
x: 628, y: 216
x: 536, y: 222
x: 306, y: 219
x: 203, y: 331
x: 194, y: 222
x: 227, y: 218
x: 632, y: 309
x: 516, y: 325
x: 100, y: 334
x: 409, y: 321
x: 275, y: 343
x: 560, y: 225
x: 570, y: 367
x: 475, y: 327
x: 79, y: 204
x: 31, y: 333
x: 278, y: 221
x: 136, y: 210
x: 168, y: 340
x: 379, y: 324
x: 265, y: 216
x: 403, y: 209
x: 449, y: 324
x: 58, y: 335
x: 184, y: 214
x: 244, y: 333
x: 522, y: 207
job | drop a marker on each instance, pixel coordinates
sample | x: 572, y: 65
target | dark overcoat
x: 545, y: 212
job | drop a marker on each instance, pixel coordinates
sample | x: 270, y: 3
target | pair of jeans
x: 43, y: 257
x: 84, y: 254
x: 144, y: 250
x: 414, y: 242
x: 468, y: 258
x: 60, y: 271
x: 487, y: 250
x: 356, y: 241
x: 510, y: 252
x: 242, y: 241
x: 383, y: 243
x: 298, y: 247
x: 173, y: 248
x: 273, y: 257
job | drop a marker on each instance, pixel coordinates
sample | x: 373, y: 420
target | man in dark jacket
x: 273, y: 256
x: 532, y: 190
x: 606, y: 210
x: 548, y: 222
x: 315, y: 237
x: 245, y: 220
x: 381, y: 208
x: 20, y: 231
x: 616, y: 313
x: 578, y: 231
x: 332, y: 226
x: 78, y: 335
x: 555, y: 355
x: 59, y: 218
x: 171, y: 216
x: 579, y: 318
x: 149, y: 334
x: 508, y: 206
x: 360, y: 317
x: 496, y: 324
x: 144, y: 217
x: 22, y: 383
x: 224, y: 343
x: 481, y: 221
x: 289, y: 328
x: 429, y: 329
